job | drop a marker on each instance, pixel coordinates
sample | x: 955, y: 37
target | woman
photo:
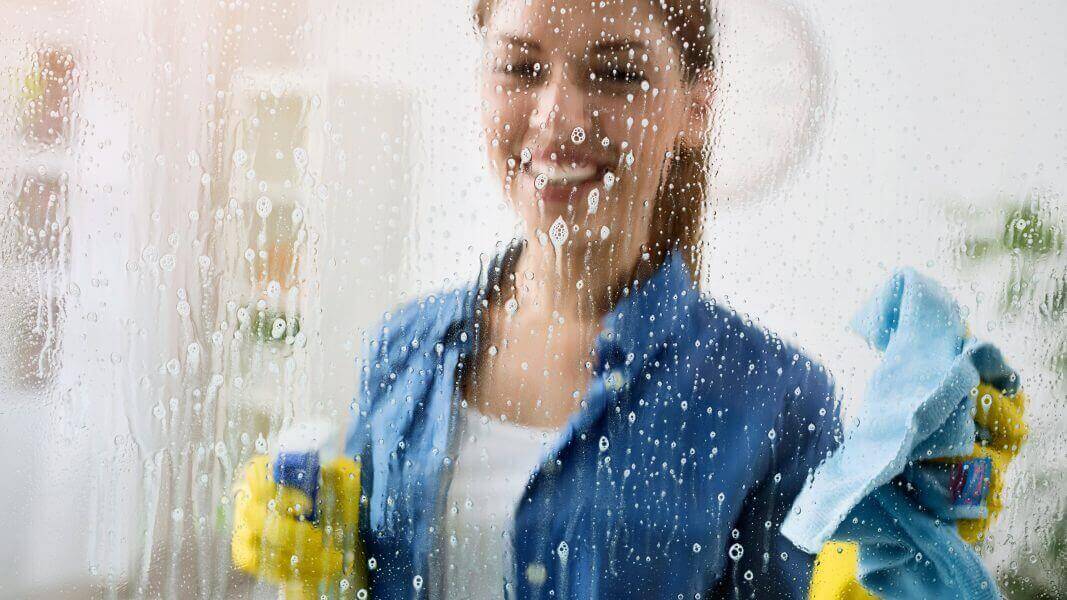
x: 579, y: 423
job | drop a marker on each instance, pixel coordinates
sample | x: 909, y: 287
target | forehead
x: 578, y: 24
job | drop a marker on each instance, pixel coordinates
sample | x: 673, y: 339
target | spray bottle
x: 302, y: 450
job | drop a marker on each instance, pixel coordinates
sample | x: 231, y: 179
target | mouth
x: 560, y: 180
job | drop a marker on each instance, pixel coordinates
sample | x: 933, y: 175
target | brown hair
x: 678, y: 213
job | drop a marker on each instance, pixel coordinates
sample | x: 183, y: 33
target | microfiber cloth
x: 919, y: 404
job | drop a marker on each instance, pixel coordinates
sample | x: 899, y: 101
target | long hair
x: 678, y: 211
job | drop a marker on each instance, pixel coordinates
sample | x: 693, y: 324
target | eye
x: 620, y: 75
x: 616, y: 76
x: 524, y: 71
x: 528, y: 70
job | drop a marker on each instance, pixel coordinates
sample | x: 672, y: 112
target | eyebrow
x: 600, y: 46
x: 619, y: 45
x: 520, y: 42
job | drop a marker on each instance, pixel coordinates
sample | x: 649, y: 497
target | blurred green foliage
x: 1032, y: 239
x: 274, y: 327
x: 1026, y: 254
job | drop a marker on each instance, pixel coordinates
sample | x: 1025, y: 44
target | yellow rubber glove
x: 836, y: 566
x: 835, y: 574
x: 274, y: 542
x: 1002, y: 416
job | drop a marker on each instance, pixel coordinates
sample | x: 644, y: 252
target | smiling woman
x: 580, y: 422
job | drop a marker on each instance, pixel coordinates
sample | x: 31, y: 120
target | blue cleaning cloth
x: 918, y: 406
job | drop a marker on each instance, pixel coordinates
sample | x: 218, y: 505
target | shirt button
x: 536, y: 573
x: 615, y: 380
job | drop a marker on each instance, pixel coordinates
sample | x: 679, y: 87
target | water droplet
x: 167, y: 262
x: 278, y: 329
x: 604, y: 232
x: 240, y: 157
x: 594, y: 200
x: 604, y: 443
x: 696, y: 548
x: 609, y: 180
x: 558, y: 232
x: 300, y: 157
x: 736, y: 551
x: 541, y: 181
x: 578, y: 135
x: 526, y: 155
x: 263, y: 206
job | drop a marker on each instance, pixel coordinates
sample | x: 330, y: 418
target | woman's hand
x: 273, y: 540
x: 1001, y: 429
x: 917, y: 480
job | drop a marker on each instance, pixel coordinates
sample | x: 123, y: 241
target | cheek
x: 504, y: 119
x: 647, y: 128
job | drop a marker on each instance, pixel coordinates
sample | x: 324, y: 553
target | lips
x: 565, y: 173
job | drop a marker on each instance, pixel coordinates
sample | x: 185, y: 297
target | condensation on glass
x: 204, y: 206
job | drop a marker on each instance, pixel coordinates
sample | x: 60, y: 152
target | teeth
x: 558, y: 174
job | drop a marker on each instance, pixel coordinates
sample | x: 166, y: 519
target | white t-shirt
x: 493, y: 465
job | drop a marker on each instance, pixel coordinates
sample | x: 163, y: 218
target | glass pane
x: 417, y: 236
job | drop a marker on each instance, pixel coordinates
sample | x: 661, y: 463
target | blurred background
x: 204, y: 204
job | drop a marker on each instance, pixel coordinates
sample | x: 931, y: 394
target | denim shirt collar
x: 650, y: 314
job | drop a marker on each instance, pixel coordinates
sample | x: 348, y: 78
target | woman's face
x: 582, y: 104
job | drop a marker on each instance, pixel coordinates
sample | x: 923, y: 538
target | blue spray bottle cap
x: 301, y: 450
x: 299, y: 470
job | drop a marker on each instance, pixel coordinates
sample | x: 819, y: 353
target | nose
x: 561, y: 107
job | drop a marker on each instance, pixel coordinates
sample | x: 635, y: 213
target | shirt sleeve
x: 761, y: 562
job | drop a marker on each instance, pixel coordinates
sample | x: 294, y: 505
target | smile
x: 560, y: 174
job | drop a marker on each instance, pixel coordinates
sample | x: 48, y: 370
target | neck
x: 580, y: 283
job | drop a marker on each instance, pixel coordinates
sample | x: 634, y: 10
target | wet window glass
x: 532, y: 299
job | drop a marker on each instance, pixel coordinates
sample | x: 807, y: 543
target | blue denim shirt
x: 697, y: 431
